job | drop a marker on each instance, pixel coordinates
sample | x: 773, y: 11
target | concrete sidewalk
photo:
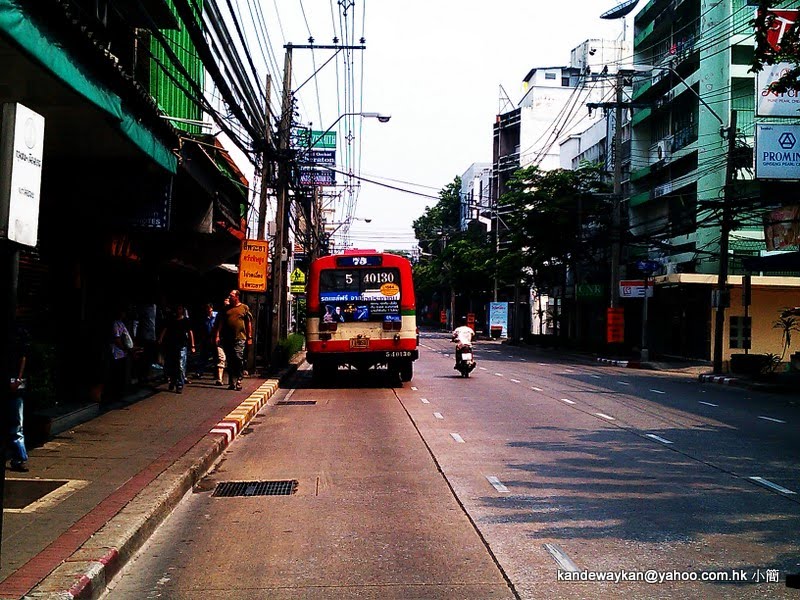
x: 96, y: 491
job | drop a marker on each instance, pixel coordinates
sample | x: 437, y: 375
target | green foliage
x: 551, y: 219
x: 288, y: 347
x: 765, y: 54
x: 451, y: 258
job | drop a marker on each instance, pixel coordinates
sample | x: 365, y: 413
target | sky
x: 436, y: 66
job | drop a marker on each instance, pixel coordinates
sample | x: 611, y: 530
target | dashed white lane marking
x: 515, y: 380
x: 537, y: 389
x: 524, y: 359
x: 544, y: 365
x: 457, y: 438
x: 438, y: 415
x: 653, y: 436
x: 708, y: 404
x: 623, y: 383
x: 483, y: 368
x: 774, y: 486
x: 424, y: 400
x: 413, y: 389
x: 562, y: 560
x: 499, y: 374
x: 595, y: 376
x: 496, y: 484
x: 605, y: 416
x: 658, y: 392
x: 567, y: 400
x: 771, y: 419
x: 568, y: 371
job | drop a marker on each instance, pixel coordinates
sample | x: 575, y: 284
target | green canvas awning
x: 17, y: 26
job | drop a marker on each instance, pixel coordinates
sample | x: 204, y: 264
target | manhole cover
x: 297, y: 403
x: 229, y: 489
x: 19, y: 493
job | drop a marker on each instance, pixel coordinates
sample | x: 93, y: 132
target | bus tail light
x: 391, y: 325
x: 327, y: 326
x: 324, y: 336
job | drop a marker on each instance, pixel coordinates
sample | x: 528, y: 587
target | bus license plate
x: 359, y: 342
x: 398, y: 354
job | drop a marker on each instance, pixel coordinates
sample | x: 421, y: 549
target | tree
x: 452, y: 260
x: 550, y: 220
x: 767, y: 53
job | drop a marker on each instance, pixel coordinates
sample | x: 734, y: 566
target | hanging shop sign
x: 317, y: 177
x: 768, y: 102
x: 635, y: 288
x: 777, y: 154
x: 253, y: 266
x: 21, y: 151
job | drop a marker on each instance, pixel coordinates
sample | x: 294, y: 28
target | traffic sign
x: 634, y: 288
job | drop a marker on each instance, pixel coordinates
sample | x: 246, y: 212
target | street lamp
x: 369, y: 115
x: 337, y: 226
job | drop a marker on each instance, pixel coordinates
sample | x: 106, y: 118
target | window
x: 549, y: 75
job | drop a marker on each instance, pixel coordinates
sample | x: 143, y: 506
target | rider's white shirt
x: 463, y: 334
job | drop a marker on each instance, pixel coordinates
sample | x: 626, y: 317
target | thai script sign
x: 253, y: 266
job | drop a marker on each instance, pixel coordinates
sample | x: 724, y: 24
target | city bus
x: 361, y: 314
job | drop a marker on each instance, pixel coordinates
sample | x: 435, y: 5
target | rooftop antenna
x: 621, y: 11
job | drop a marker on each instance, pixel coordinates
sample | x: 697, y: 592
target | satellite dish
x: 621, y: 10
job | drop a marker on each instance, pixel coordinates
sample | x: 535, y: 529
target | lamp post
x: 338, y: 226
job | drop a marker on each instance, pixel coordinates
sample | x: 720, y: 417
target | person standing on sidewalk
x: 177, y: 340
x: 235, y: 332
x: 20, y: 346
x: 206, y: 347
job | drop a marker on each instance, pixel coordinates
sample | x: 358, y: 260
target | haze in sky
x: 436, y: 66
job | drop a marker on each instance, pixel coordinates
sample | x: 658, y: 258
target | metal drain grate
x: 297, y: 403
x: 230, y: 489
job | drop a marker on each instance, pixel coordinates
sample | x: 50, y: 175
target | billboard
x: 768, y: 102
x: 777, y: 154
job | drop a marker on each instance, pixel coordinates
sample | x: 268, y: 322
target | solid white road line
x: 424, y: 400
x: 457, y: 438
x: 561, y: 558
x: 771, y: 419
x: 658, y: 439
x: 658, y: 392
x: 708, y: 404
x: 438, y: 415
x: 605, y: 416
x: 774, y: 486
x: 496, y: 484
x: 567, y: 401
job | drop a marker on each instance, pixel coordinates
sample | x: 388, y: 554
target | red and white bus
x: 361, y: 313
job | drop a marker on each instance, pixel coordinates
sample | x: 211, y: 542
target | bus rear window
x: 359, y: 295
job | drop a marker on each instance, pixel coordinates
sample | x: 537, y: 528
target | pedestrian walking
x: 207, y: 348
x: 20, y: 347
x: 121, y: 347
x: 177, y: 341
x: 235, y: 332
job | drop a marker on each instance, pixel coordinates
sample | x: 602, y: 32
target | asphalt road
x: 538, y: 469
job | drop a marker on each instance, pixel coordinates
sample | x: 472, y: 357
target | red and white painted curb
x: 233, y: 423
x: 721, y: 379
x: 620, y: 363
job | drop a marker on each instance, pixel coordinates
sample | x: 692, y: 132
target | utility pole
x: 281, y: 213
x: 266, y: 166
x: 616, y: 217
x: 723, y: 295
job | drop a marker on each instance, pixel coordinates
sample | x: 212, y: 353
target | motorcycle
x: 465, y: 363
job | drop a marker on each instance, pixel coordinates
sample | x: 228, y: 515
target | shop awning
x: 50, y: 54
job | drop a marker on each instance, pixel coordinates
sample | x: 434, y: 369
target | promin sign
x: 777, y: 151
x: 253, y: 266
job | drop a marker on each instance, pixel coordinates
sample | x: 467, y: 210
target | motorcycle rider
x: 463, y: 336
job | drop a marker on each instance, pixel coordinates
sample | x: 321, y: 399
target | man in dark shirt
x: 235, y: 331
